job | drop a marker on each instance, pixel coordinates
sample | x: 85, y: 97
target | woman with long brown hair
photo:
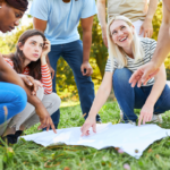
x: 30, y: 59
x: 13, y: 98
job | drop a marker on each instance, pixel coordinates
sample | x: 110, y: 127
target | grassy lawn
x: 30, y: 156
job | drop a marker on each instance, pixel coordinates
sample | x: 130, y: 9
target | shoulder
x: 146, y: 40
x: 88, y: 8
x: 148, y: 43
x: 39, y: 7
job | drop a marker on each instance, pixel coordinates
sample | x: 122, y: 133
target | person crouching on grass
x: 127, y: 52
x: 30, y: 59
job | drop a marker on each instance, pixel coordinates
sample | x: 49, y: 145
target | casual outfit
x: 62, y: 21
x: 45, y: 72
x: 14, y: 99
x: 51, y: 101
x: 135, y: 10
x: 132, y: 9
x: 130, y: 98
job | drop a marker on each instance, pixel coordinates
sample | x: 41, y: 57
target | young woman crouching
x: 30, y: 59
x: 127, y: 52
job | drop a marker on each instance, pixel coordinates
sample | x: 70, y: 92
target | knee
x: 121, y: 76
x: 52, y: 102
x: 21, y: 99
x: 56, y: 100
x: 40, y: 93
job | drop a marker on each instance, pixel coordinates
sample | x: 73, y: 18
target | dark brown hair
x: 18, y: 57
x: 18, y: 4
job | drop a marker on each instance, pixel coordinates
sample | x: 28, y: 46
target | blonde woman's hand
x: 90, y: 122
x: 146, y: 113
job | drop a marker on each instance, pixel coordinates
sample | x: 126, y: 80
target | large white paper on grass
x: 129, y: 138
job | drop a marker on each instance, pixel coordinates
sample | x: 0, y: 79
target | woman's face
x: 9, y: 17
x: 32, y: 48
x: 121, y: 33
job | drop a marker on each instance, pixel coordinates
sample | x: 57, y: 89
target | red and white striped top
x: 46, y: 77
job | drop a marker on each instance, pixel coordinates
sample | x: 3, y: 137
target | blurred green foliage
x: 156, y: 25
x: 66, y: 86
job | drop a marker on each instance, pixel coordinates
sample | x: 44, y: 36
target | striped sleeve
x: 111, y: 67
x: 149, y: 46
x: 152, y: 47
x: 46, y: 79
x: 9, y: 61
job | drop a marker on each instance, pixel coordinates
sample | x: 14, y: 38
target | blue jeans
x: 13, y: 98
x: 73, y: 55
x: 134, y: 98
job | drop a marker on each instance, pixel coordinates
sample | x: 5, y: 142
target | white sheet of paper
x: 125, y: 136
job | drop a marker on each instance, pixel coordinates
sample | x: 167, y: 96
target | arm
x: 144, y: 73
x: 148, y: 108
x: 7, y: 74
x: 100, y: 99
x: 163, y: 45
x: 46, y: 77
x: 86, y: 24
x: 147, y: 28
x: 41, y: 26
x: 101, y: 6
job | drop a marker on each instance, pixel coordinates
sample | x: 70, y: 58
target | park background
x: 30, y: 156
x: 66, y: 87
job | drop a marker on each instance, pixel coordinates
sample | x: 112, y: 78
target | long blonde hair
x: 117, y: 52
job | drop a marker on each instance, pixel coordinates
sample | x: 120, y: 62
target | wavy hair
x: 18, y: 57
x: 117, y: 52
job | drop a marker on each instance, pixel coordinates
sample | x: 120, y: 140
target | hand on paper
x: 90, y: 122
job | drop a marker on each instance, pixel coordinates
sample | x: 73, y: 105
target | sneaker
x: 19, y: 133
x: 121, y: 114
x: 157, y: 118
x: 9, y: 140
x: 99, y: 122
x: 129, y: 122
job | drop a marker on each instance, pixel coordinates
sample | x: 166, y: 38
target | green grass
x: 30, y: 156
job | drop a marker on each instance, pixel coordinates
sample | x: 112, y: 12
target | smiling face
x: 9, y: 17
x: 32, y: 48
x: 121, y: 33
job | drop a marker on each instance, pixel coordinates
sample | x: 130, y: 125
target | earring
x: 0, y: 7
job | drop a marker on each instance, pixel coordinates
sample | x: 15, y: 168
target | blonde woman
x: 127, y: 52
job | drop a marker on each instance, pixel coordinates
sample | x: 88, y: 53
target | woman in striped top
x: 30, y: 59
x: 126, y: 53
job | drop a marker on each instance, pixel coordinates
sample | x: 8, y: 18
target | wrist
x: 85, y: 61
x: 43, y: 60
x: 104, y: 26
x: 148, y: 18
x: 155, y: 64
x: 91, y: 115
x: 104, y: 29
x: 150, y: 103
